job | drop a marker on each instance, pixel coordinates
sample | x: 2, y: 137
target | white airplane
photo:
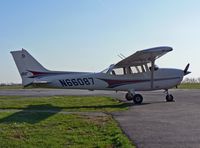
x: 137, y: 72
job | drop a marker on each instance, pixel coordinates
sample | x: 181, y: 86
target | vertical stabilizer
x: 27, y: 66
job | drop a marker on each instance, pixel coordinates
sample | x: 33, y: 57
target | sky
x: 87, y: 35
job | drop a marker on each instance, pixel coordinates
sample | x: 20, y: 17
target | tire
x: 169, y: 98
x: 129, y: 97
x: 137, y: 99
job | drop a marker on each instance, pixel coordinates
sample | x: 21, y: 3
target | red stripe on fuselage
x: 116, y: 83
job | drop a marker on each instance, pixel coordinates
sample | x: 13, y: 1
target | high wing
x: 143, y: 56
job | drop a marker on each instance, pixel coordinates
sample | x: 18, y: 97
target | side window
x: 119, y: 71
x: 139, y: 69
x: 134, y: 70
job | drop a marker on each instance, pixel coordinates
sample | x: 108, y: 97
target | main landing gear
x: 137, y: 98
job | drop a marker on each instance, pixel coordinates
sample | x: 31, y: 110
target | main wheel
x: 137, y: 99
x: 129, y: 96
x: 169, y: 98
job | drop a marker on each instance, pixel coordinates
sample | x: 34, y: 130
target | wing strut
x: 152, y: 73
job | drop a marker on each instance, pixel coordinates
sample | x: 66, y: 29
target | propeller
x: 185, y: 71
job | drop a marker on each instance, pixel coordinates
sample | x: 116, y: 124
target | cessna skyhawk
x: 137, y: 72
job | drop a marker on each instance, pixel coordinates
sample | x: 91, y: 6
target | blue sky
x: 87, y: 35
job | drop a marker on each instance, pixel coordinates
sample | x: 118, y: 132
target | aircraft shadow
x: 36, y: 113
x: 32, y: 114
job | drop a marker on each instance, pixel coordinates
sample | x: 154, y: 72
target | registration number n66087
x: 77, y: 82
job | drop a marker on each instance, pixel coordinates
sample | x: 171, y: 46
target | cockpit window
x: 105, y: 70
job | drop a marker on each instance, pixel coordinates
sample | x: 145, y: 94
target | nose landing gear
x: 169, y: 97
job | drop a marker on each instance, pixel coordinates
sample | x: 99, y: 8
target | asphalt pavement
x: 160, y: 124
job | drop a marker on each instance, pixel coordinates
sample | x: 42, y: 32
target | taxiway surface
x: 155, y: 123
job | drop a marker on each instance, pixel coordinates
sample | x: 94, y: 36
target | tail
x: 28, y: 66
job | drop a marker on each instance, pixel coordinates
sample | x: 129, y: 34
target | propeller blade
x: 186, y: 69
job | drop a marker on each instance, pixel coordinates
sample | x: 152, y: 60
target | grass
x: 27, y: 128
x: 10, y: 87
x: 67, y: 103
x: 189, y: 86
x: 60, y: 130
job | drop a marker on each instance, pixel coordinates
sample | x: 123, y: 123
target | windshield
x: 109, y: 69
x: 105, y: 70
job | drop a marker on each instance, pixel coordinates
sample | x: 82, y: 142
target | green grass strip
x: 189, y: 86
x: 26, y: 130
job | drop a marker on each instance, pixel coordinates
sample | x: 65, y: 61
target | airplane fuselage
x: 163, y: 79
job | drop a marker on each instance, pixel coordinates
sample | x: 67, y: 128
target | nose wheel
x: 137, y: 98
x: 169, y: 97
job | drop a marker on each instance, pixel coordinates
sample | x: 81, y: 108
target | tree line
x: 191, y: 80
